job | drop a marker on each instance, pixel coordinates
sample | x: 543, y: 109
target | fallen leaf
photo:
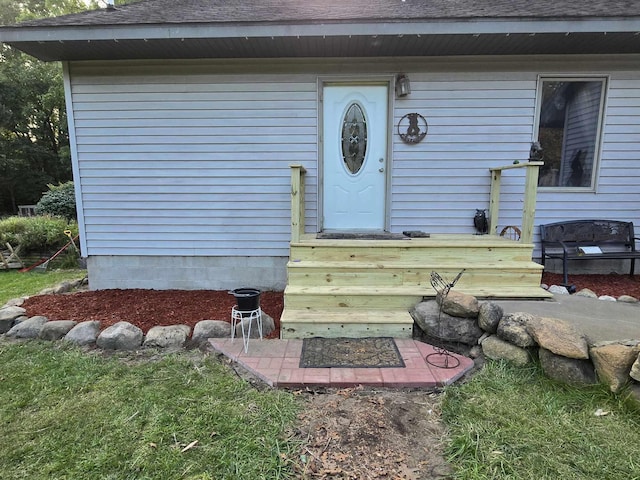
x: 190, y: 446
x: 153, y: 445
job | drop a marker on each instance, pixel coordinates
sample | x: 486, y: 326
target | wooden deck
x: 366, y: 287
x: 361, y: 288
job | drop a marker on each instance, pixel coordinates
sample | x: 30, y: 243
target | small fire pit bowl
x: 248, y: 298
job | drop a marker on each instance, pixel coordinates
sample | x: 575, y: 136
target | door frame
x: 378, y: 80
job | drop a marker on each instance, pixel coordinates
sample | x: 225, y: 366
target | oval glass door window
x: 354, y: 138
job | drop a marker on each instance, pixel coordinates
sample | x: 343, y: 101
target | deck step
x: 365, y: 274
x: 346, y: 323
x: 411, y: 255
x: 366, y: 287
x: 425, y: 263
x: 444, y: 240
x: 390, y: 297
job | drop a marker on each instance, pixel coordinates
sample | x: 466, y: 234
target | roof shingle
x: 159, y: 12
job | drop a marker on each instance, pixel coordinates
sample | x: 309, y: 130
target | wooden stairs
x: 363, y: 288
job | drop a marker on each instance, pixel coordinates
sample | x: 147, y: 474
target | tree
x: 34, y: 141
x: 9, y: 11
x: 59, y: 201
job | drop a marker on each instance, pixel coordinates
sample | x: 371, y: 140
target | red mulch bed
x: 148, y: 308
x: 612, y: 284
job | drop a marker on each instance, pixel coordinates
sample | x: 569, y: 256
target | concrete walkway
x: 599, y: 320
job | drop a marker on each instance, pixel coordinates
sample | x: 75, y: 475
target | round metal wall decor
x: 412, y: 128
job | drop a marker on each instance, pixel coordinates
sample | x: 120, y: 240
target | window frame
x: 597, y: 155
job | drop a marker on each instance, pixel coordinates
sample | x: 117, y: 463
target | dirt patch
x: 148, y: 308
x: 372, y: 434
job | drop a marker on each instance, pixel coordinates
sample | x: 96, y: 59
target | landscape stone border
x: 123, y: 335
x: 565, y: 354
x: 585, y: 292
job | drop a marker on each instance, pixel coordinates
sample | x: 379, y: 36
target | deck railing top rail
x: 517, y: 165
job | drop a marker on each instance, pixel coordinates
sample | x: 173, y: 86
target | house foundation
x: 186, y: 273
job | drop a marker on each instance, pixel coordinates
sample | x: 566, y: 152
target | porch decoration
x: 442, y: 358
x: 412, y: 128
x: 246, y: 313
x: 536, y: 153
x: 481, y: 222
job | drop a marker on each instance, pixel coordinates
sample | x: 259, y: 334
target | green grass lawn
x: 68, y: 414
x: 514, y: 423
x: 15, y: 284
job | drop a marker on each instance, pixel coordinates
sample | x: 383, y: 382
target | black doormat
x: 360, y: 236
x: 372, y: 352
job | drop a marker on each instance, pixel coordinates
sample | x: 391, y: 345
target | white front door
x: 354, y: 157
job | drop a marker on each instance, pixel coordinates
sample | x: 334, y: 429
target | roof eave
x: 238, y: 30
x: 415, y: 38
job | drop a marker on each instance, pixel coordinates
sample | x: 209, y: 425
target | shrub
x: 60, y: 201
x: 68, y: 260
x: 36, y: 234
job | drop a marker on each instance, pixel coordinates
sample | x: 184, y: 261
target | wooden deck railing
x: 529, y: 204
x: 297, y: 202
x: 528, y: 208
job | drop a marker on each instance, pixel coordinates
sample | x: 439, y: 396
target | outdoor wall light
x: 403, y: 86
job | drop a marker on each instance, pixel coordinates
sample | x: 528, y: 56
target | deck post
x: 297, y: 202
x: 494, y: 201
x: 529, y: 204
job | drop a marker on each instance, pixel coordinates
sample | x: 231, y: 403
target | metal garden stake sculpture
x: 442, y: 358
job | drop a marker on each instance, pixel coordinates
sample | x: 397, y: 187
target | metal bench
x: 589, y: 240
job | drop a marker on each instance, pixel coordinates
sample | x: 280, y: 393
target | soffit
x: 336, y: 46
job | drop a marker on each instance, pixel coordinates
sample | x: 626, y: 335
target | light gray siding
x: 180, y: 161
x: 479, y: 120
x: 190, y: 159
x: 476, y: 121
